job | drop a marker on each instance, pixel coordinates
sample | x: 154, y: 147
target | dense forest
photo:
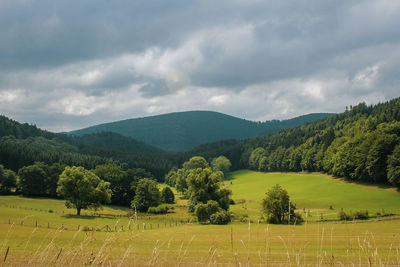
x: 361, y: 144
x: 23, y: 144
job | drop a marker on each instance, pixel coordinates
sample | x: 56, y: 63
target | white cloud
x: 367, y: 77
x: 9, y: 95
x: 218, y: 100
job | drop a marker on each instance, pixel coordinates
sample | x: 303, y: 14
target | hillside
x: 112, y: 141
x: 22, y: 144
x: 361, y: 144
x: 181, y: 131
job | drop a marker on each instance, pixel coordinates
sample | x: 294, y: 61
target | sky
x: 66, y: 65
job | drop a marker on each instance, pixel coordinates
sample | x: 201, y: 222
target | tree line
x: 41, y: 179
x: 361, y: 144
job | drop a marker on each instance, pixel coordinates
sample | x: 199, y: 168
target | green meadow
x: 40, y: 231
x: 314, y: 192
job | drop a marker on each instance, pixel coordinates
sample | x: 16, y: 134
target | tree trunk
x: 78, y: 211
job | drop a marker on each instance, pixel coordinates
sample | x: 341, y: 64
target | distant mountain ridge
x: 181, y: 131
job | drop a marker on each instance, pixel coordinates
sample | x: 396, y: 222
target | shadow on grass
x: 119, y: 208
x: 74, y: 216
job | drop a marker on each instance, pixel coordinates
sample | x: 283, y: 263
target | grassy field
x: 311, y: 191
x: 38, y: 232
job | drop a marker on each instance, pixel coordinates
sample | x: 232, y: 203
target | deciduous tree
x: 82, y: 189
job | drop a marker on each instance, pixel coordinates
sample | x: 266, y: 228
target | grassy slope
x: 312, y: 191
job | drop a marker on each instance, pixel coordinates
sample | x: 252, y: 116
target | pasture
x: 314, y: 192
x: 39, y: 231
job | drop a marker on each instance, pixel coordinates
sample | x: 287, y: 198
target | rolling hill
x: 181, y: 131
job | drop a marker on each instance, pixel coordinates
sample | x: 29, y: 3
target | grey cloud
x: 230, y: 56
x: 154, y: 88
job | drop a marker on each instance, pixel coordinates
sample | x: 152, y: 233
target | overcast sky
x: 65, y: 65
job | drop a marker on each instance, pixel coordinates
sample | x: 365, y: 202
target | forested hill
x: 361, y: 144
x: 101, y: 140
x: 183, y: 130
x: 24, y: 144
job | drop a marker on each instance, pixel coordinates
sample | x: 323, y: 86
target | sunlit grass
x: 312, y: 192
x: 40, y: 231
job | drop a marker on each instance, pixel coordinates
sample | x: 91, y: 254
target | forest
x: 362, y: 143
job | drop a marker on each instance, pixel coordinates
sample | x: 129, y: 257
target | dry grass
x: 366, y: 244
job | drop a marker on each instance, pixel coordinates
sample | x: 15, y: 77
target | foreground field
x: 313, y: 192
x: 40, y: 232
x: 363, y: 244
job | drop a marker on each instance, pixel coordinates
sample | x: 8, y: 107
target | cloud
x: 70, y: 64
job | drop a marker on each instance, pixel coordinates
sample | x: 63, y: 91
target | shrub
x: 204, y: 211
x: 357, y: 215
x: 220, y: 217
x: 160, y: 209
x: 201, y: 212
x: 343, y: 216
x: 167, y: 196
x: 361, y: 215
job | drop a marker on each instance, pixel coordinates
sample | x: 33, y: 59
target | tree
x: 122, y: 183
x: 195, y: 163
x: 255, y: 157
x: 170, y: 177
x: 167, y: 196
x: 8, y: 180
x: 204, y: 185
x: 394, y: 167
x: 32, y: 180
x: 82, y: 189
x: 221, y: 164
x: 51, y: 178
x: 276, y: 206
x: 377, y: 157
x: 178, y: 178
x: 147, y: 195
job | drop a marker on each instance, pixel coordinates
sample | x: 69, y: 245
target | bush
x: 361, y: 215
x: 298, y: 218
x: 167, y: 196
x: 244, y: 218
x: 343, y: 216
x: 204, y: 211
x: 357, y: 215
x: 201, y: 212
x: 160, y: 209
x: 220, y: 217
